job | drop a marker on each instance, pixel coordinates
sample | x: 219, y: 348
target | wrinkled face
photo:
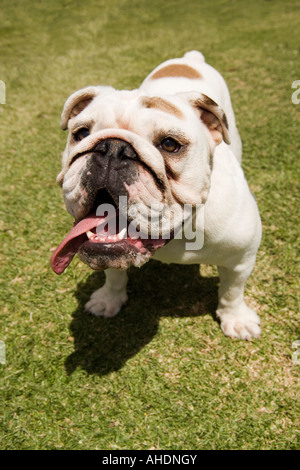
x: 130, y: 165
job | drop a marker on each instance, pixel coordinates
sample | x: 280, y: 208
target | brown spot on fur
x: 79, y: 107
x: 162, y: 105
x: 177, y: 70
x: 211, y: 115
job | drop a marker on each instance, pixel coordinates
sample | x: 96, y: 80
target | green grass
x: 161, y: 375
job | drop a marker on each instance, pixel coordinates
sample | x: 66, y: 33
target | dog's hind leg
x: 237, y: 319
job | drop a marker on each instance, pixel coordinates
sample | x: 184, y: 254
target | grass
x: 161, y: 375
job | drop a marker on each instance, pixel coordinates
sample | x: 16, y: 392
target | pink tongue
x: 65, y: 252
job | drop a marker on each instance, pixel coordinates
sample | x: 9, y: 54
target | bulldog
x: 156, y: 173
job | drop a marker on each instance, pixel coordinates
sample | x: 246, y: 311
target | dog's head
x: 131, y: 163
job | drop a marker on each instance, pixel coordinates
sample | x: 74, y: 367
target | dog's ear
x: 79, y: 100
x: 212, y: 116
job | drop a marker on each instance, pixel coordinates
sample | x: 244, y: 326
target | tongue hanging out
x: 94, y: 230
x: 65, y: 252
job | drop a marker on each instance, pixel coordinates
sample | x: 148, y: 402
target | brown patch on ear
x: 80, y: 107
x: 76, y: 103
x: 162, y: 105
x: 177, y: 70
x: 213, y: 117
x: 205, y: 100
x: 213, y: 125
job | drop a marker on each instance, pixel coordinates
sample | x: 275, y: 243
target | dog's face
x: 130, y: 165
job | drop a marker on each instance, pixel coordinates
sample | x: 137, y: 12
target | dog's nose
x: 116, y: 148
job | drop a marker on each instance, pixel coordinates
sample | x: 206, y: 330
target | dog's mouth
x: 95, y: 237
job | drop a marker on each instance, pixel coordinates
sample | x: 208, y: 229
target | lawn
x: 161, y: 375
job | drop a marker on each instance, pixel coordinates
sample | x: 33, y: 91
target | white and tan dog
x: 135, y: 160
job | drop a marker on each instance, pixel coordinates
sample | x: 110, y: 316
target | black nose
x: 116, y: 148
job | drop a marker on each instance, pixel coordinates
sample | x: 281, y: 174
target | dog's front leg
x: 237, y: 319
x: 108, y: 300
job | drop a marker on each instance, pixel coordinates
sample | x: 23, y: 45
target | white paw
x: 105, y: 302
x: 242, y: 324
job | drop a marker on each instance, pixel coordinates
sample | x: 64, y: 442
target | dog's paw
x: 103, y: 302
x: 241, y: 324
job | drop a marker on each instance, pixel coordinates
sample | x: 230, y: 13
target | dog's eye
x: 170, y: 145
x: 81, y: 134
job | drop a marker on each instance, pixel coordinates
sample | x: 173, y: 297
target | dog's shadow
x: 154, y: 291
